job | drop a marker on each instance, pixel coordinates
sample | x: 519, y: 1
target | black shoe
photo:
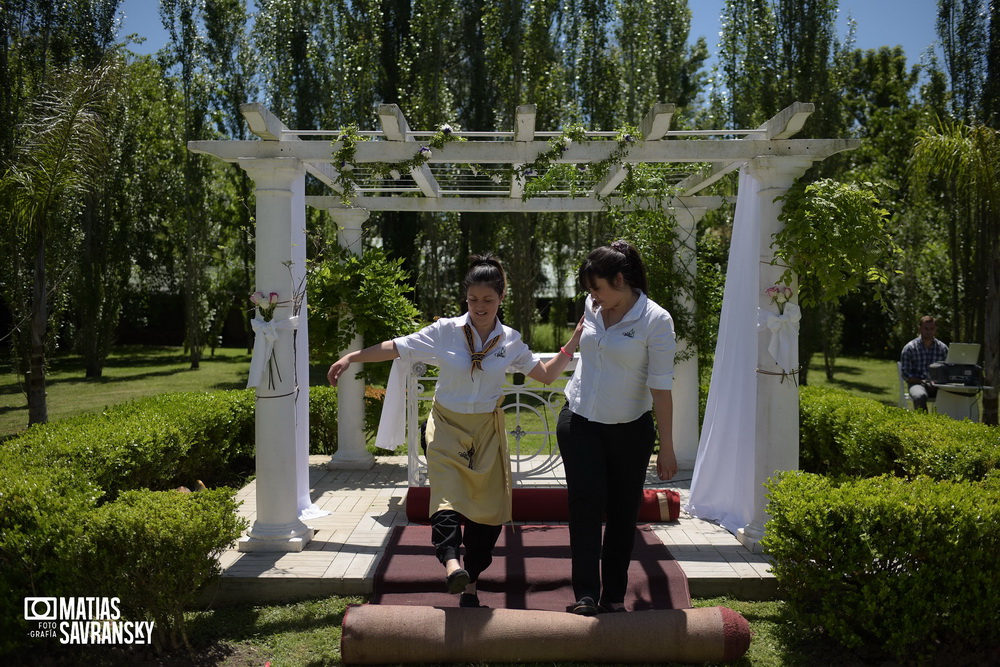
x: 585, y: 606
x: 457, y: 581
x: 605, y: 608
x: 470, y: 600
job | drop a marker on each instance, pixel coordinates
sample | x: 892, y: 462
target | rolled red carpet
x: 378, y: 634
x: 551, y: 504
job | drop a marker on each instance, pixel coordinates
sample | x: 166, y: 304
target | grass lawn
x: 862, y: 376
x: 130, y: 373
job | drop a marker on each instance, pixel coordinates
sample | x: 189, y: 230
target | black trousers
x: 479, y: 540
x: 605, y: 468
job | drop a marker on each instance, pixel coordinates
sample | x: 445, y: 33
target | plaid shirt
x: 916, y: 358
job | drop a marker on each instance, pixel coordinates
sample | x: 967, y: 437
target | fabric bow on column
x: 784, y: 330
x: 265, y: 333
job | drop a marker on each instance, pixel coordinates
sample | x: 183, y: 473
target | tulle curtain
x: 721, y: 489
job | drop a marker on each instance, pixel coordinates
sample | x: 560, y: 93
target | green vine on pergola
x: 641, y: 215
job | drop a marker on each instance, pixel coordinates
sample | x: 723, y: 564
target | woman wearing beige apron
x: 467, y: 462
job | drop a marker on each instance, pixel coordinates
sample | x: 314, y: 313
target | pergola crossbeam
x: 654, y: 126
x: 787, y: 122
x: 467, y: 152
x: 524, y: 131
x: 657, y: 122
x: 496, y: 204
x: 395, y: 128
x: 783, y: 125
x: 269, y: 127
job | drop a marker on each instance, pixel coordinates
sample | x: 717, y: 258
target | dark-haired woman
x: 606, y: 432
x: 467, y: 461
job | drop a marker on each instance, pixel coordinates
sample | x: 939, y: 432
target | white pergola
x: 449, y: 181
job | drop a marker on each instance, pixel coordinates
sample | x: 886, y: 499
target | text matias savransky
x: 84, y: 620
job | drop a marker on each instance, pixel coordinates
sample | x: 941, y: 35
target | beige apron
x: 468, y: 465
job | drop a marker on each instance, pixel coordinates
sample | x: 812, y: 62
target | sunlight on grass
x: 131, y: 372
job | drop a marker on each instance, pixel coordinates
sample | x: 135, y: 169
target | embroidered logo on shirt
x: 502, y: 354
x: 630, y: 333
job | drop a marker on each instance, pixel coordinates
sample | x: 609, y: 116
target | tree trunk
x: 38, y: 412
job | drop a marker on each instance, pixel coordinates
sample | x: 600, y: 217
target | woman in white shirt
x: 467, y: 461
x: 605, y: 432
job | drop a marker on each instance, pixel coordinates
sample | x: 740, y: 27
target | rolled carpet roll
x: 378, y: 634
x: 551, y: 504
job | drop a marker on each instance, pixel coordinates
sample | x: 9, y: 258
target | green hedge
x: 87, y: 506
x: 155, y: 443
x: 77, y: 517
x: 841, y: 434
x: 906, y: 565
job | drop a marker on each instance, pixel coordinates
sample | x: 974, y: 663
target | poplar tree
x: 196, y: 230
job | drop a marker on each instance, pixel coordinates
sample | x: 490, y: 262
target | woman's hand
x: 574, y: 341
x: 666, y: 463
x: 337, y: 369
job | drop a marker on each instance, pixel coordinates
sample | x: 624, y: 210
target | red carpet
x: 544, y: 504
x: 530, y: 570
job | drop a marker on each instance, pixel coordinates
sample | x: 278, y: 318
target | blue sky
x: 909, y: 23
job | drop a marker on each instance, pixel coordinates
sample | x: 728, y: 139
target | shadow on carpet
x: 530, y: 570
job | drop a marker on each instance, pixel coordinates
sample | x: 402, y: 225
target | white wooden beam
x: 787, y: 122
x: 497, y: 152
x: 616, y: 174
x: 395, y: 128
x: 653, y: 128
x: 394, y: 125
x: 657, y: 121
x: 497, y: 204
x: 701, y: 180
x: 783, y: 125
x: 524, y: 131
x: 524, y: 123
x: 262, y: 122
x: 269, y: 127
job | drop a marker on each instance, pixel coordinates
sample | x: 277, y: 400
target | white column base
x: 276, y: 539
x: 351, y: 461
x: 750, y: 537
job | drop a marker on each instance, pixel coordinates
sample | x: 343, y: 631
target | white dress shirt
x: 619, y: 365
x: 459, y: 388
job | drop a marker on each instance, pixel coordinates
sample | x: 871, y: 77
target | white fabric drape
x: 392, y: 425
x: 721, y: 488
x: 307, y: 509
x: 784, y: 331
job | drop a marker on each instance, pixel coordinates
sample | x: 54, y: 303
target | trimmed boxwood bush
x: 58, y: 480
x: 841, y: 434
x: 87, y: 505
x: 907, y: 565
x: 154, y: 551
x: 154, y: 443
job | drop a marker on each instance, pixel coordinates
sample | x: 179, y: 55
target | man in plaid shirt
x: 917, y: 356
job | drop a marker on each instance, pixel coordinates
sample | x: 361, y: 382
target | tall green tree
x: 59, y: 155
x: 185, y: 55
x: 107, y: 223
x: 657, y: 65
x: 747, y: 85
x: 969, y: 156
x: 233, y: 80
x: 962, y: 29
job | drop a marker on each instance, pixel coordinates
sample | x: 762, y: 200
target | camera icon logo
x: 40, y: 609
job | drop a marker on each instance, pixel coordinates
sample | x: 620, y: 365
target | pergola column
x: 776, y: 441
x: 686, y: 381
x: 351, y: 453
x: 280, y: 197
